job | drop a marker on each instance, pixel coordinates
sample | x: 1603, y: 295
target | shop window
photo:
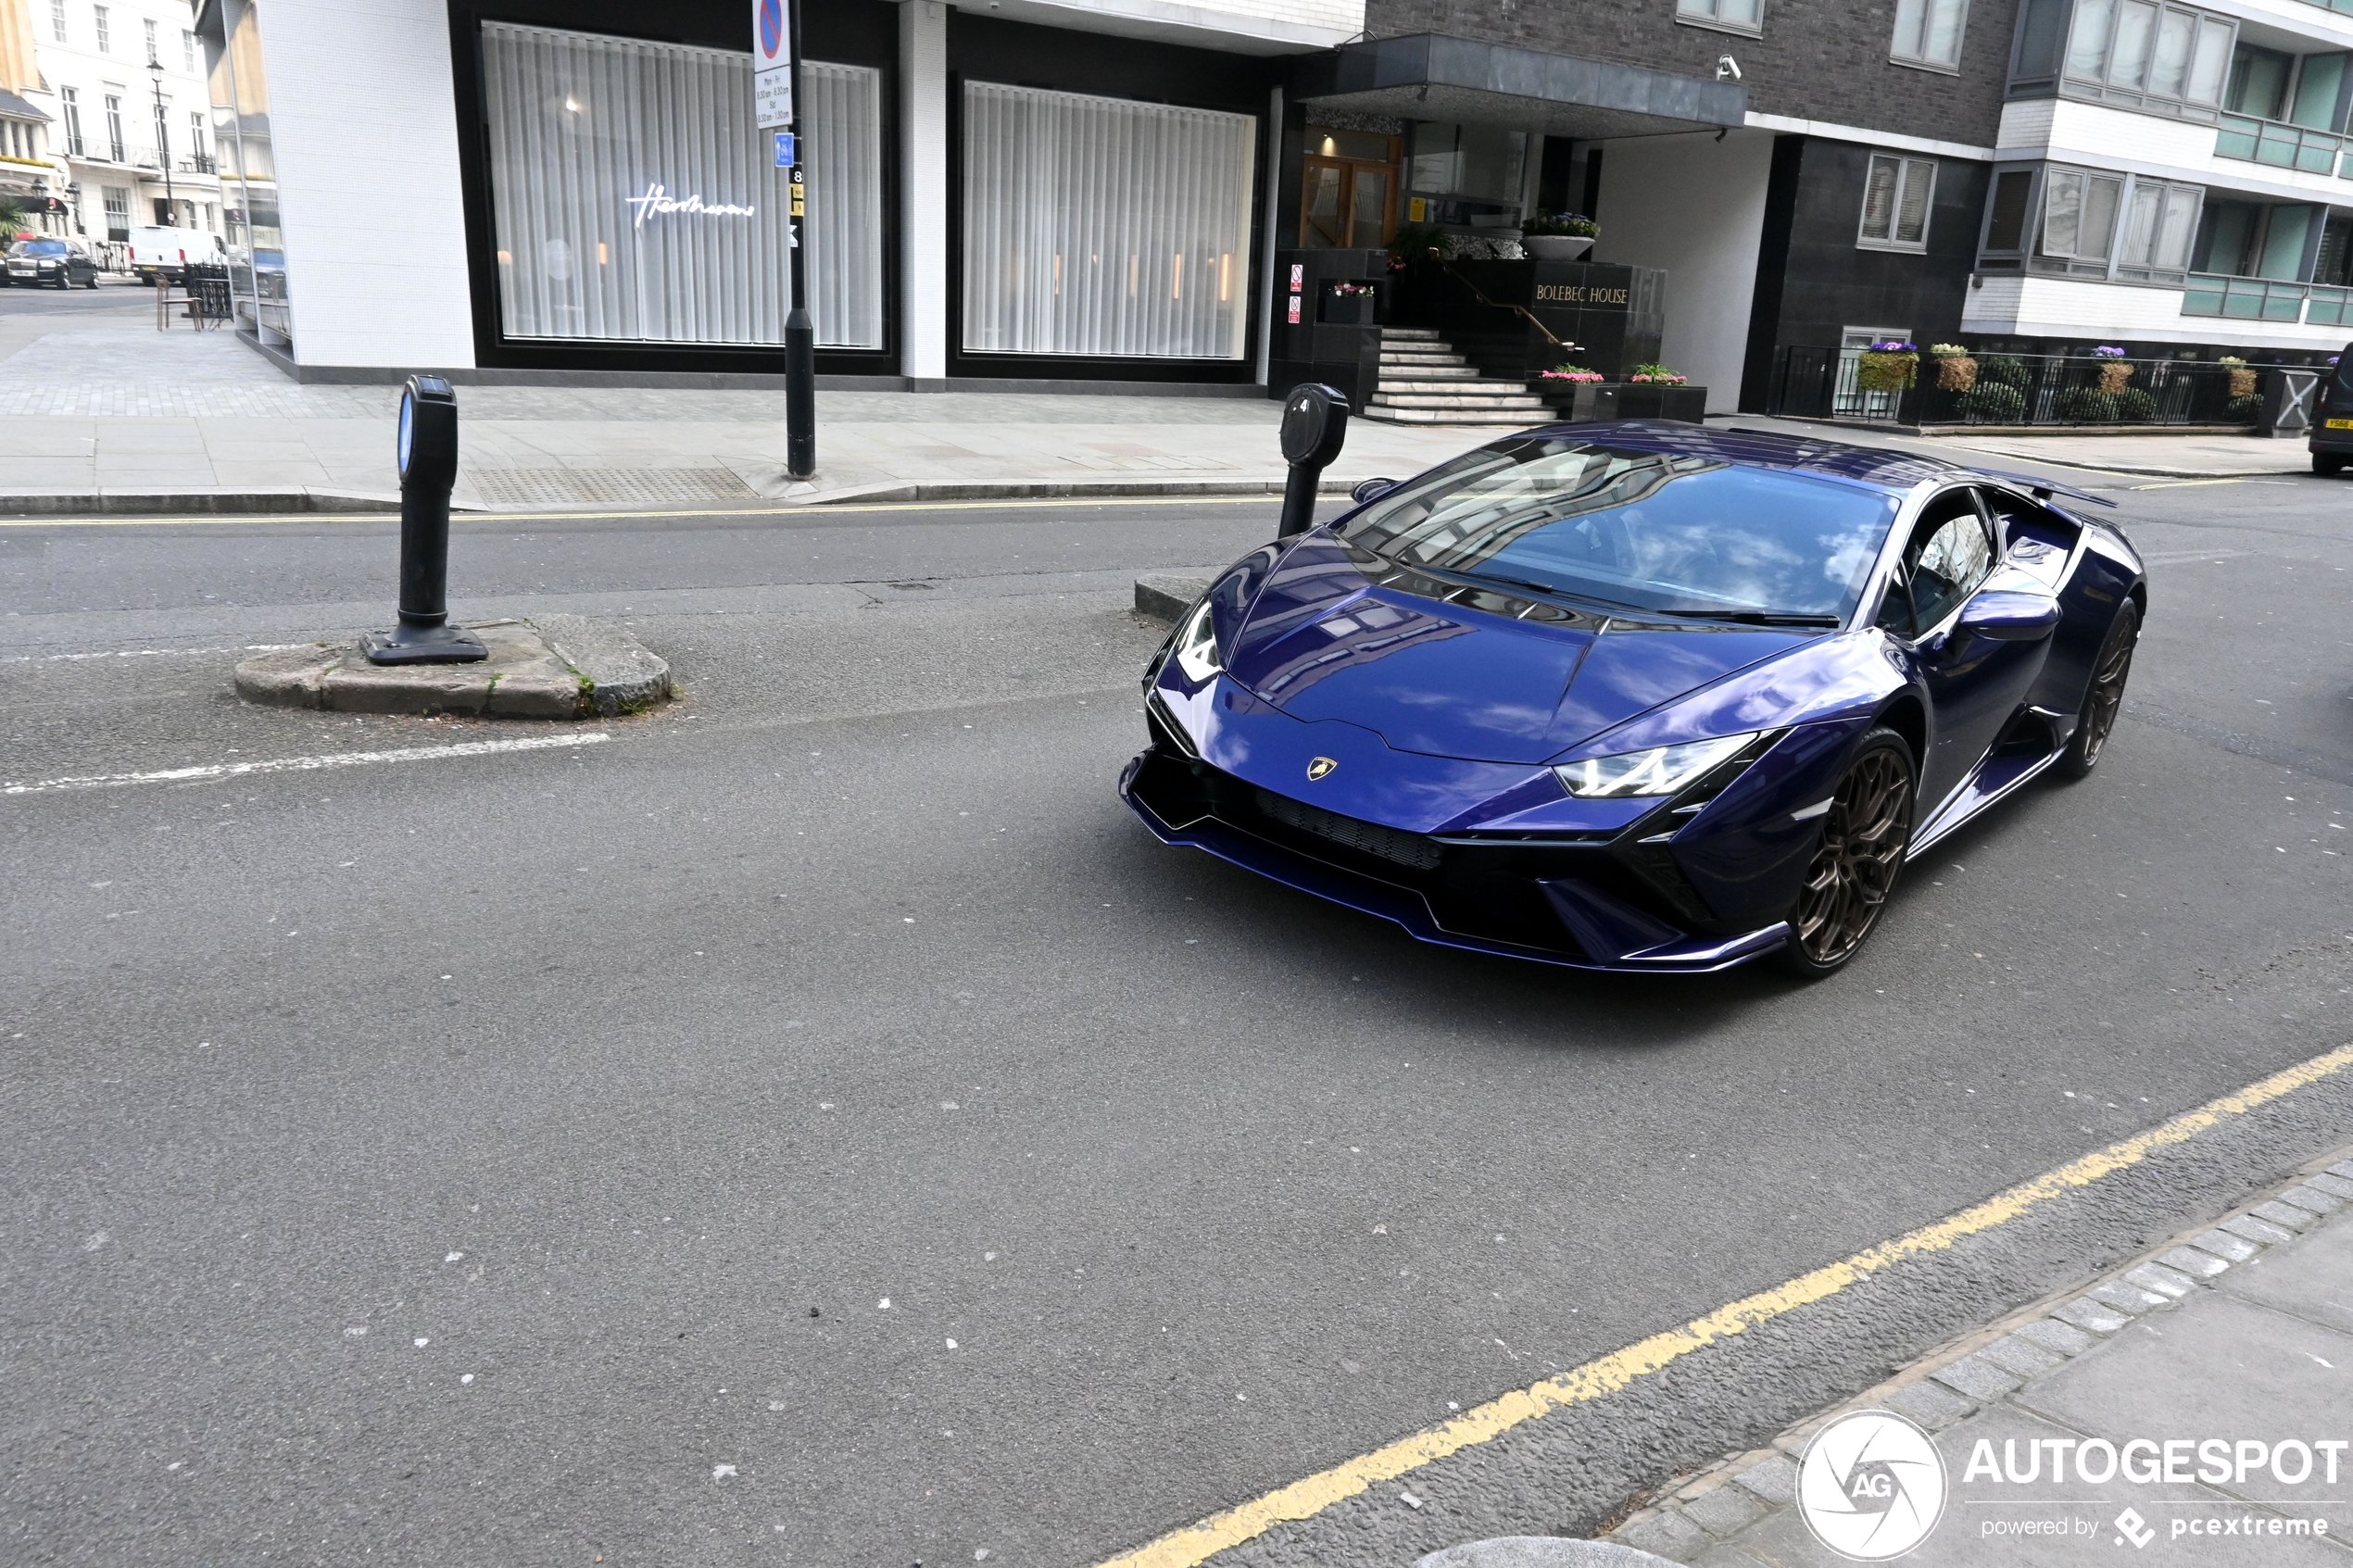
x: 1927, y: 32
x: 1733, y: 16
x: 1896, y: 195
x: 624, y: 212
x: 1101, y: 226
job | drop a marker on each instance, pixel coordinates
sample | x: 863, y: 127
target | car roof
x: 1879, y: 466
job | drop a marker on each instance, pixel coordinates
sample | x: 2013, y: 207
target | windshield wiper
x: 1750, y: 617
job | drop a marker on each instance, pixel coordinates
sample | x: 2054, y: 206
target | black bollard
x: 1315, y: 423
x: 428, y: 453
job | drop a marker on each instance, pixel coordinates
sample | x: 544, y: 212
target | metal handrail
x: 1480, y: 295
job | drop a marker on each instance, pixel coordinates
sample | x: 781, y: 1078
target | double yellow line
x: 1305, y: 1498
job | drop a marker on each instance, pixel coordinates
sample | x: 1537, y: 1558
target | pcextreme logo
x: 1872, y: 1486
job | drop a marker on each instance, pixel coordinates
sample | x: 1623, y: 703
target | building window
x: 106, y: 37
x: 619, y: 216
x: 163, y: 136
x: 1927, y: 32
x: 1733, y: 16
x: 2160, y: 222
x: 58, y: 20
x: 197, y: 151
x: 2164, y: 57
x: 118, y: 205
x: 2079, y: 215
x: 188, y: 52
x: 149, y: 24
x: 1101, y: 226
x: 69, y: 99
x: 114, y: 129
x: 1895, y: 203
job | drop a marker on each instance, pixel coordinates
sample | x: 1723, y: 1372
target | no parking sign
x: 771, y: 64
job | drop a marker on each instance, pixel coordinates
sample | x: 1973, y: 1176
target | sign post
x: 775, y: 96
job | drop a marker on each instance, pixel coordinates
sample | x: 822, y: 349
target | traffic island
x: 549, y: 667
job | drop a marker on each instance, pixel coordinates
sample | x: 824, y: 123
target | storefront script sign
x: 658, y: 203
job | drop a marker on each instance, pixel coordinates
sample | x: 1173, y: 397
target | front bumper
x: 1560, y: 899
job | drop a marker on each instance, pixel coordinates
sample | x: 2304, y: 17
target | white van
x: 163, y: 253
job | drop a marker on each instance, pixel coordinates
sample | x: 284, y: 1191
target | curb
x: 551, y: 667
x: 1167, y: 595
x: 115, y: 503
x: 1057, y: 489
x: 1696, y: 1513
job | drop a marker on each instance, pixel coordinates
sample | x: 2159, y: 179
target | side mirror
x: 1368, y: 489
x: 2007, y: 616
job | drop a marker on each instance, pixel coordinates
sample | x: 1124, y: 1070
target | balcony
x: 2267, y: 299
x: 2280, y: 144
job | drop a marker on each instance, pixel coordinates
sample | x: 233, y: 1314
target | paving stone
x: 1541, y: 1551
x: 2223, y: 1244
x: 1666, y: 1532
x: 2253, y: 1229
x: 1934, y: 1406
x: 1723, y: 1554
x: 1774, y: 1479
x: 2163, y: 1281
x: 2190, y: 1261
x: 2316, y: 1198
x: 2059, y: 1338
x: 2335, y: 1186
x: 2097, y: 1316
x: 2126, y: 1298
x: 1977, y: 1377
x: 2022, y: 1355
x: 2286, y: 1214
x: 2313, y: 1281
x: 2342, y: 1167
x: 1724, y: 1510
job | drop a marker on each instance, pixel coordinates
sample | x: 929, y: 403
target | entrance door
x: 1348, y: 186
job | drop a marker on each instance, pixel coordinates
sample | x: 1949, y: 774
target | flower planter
x: 1346, y: 310
x: 1585, y: 401
x: 1557, y: 247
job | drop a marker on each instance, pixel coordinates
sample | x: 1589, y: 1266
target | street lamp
x: 163, y: 139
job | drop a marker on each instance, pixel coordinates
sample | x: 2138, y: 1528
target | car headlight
x: 1197, y: 645
x: 1662, y: 770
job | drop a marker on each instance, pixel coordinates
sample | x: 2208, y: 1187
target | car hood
x: 1485, y: 677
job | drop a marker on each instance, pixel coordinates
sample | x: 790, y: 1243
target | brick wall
x: 1819, y: 59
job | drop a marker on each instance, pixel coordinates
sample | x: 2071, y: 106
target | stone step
x: 1462, y: 388
x: 1510, y: 419
x: 1390, y: 372
x: 1399, y: 356
x: 1410, y: 334
x: 1512, y: 406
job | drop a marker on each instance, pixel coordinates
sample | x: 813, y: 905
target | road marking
x: 1304, y: 1498
x: 2186, y: 483
x: 305, y: 764
x: 807, y: 508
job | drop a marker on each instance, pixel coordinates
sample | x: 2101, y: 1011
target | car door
x: 1974, y: 683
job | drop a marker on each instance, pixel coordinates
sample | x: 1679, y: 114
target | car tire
x: 2104, y: 696
x: 1865, y: 834
x: 2328, y: 465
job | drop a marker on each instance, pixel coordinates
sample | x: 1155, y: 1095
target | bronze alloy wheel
x: 1864, y: 837
x: 2105, y: 698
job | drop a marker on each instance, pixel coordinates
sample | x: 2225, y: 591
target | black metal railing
x: 1809, y: 381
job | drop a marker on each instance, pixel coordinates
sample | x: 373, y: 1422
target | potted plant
x: 1888, y: 366
x: 1417, y: 245
x: 1558, y: 236
x: 1956, y: 371
x: 1569, y: 375
x: 2241, y: 378
x: 2113, y: 371
x: 1652, y: 374
x: 1346, y: 304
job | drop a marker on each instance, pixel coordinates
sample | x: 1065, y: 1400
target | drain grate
x: 539, y: 486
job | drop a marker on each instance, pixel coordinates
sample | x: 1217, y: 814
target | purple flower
x: 1892, y: 347
x: 2104, y: 352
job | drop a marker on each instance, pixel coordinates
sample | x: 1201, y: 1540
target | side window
x: 1896, y: 611
x: 1951, y: 554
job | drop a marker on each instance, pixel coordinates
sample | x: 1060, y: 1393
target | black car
x: 50, y: 263
x: 2332, y: 441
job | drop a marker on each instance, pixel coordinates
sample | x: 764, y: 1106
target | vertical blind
x: 633, y: 199
x: 1101, y: 226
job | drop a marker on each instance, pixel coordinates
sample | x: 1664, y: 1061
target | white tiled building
x: 2174, y: 173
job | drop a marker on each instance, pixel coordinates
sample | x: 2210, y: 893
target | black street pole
x: 801, y: 333
x: 163, y: 140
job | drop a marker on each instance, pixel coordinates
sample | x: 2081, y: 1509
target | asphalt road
x: 509, y: 1159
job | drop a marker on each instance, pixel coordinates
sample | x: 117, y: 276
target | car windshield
x: 40, y: 247
x: 1667, y: 533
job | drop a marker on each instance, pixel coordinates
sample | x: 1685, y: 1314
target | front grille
x: 1366, y: 838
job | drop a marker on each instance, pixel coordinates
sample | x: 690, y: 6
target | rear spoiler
x: 2044, y: 489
